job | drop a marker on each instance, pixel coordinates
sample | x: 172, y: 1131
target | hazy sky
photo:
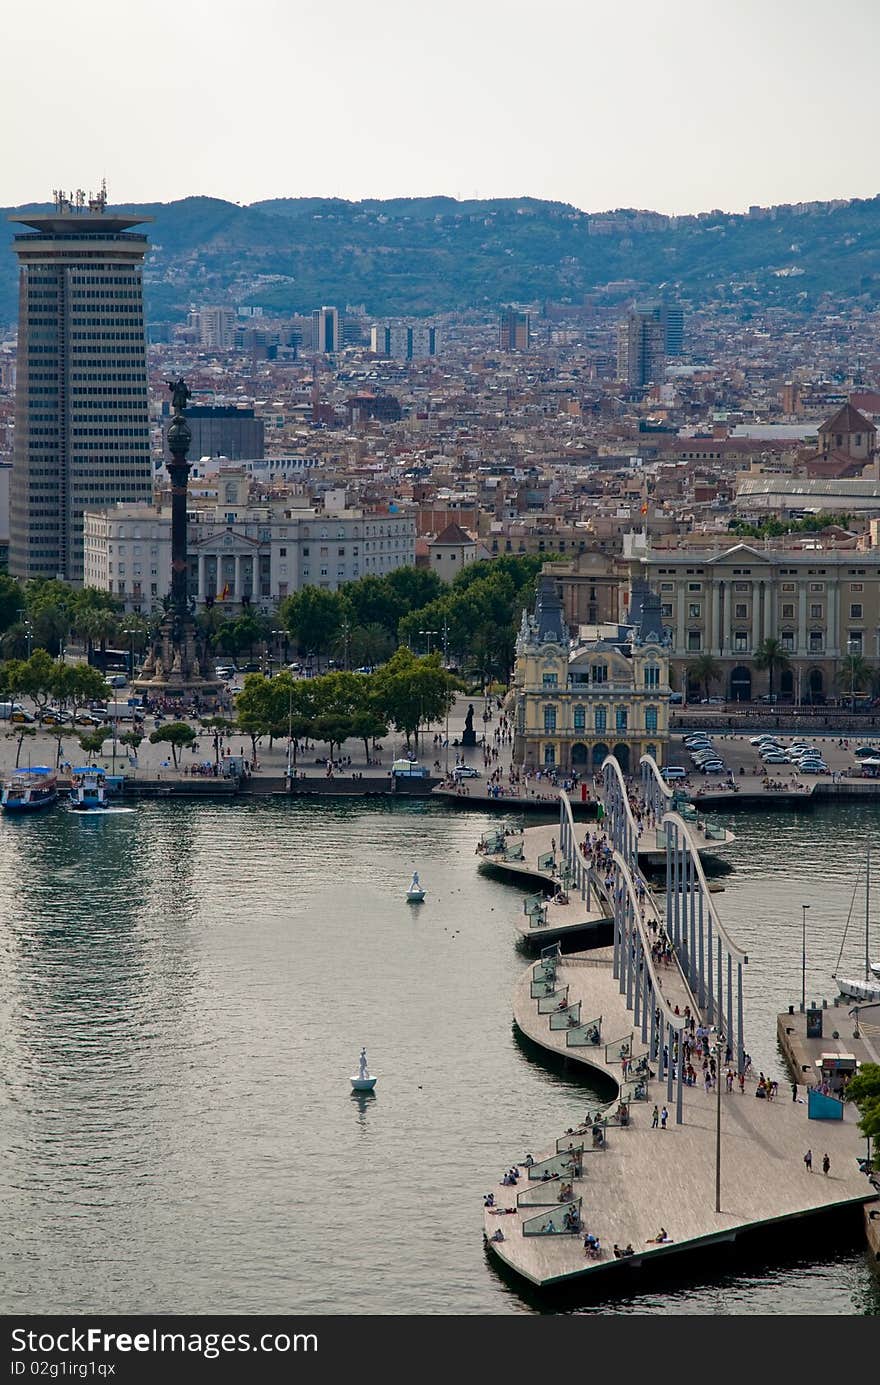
x: 678, y: 105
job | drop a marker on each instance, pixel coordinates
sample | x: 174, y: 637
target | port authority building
x: 604, y: 692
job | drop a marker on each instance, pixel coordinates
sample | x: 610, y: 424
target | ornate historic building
x: 604, y: 695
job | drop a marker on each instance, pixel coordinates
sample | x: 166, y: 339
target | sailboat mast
x: 868, y: 916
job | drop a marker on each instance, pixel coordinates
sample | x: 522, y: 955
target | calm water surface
x: 183, y: 994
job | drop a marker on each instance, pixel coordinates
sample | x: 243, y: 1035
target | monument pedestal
x: 468, y: 736
x: 179, y: 666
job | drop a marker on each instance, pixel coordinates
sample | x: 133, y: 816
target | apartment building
x: 606, y: 694
x: 819, y: 604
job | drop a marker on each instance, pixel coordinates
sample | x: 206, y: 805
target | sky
x: 674, y: 105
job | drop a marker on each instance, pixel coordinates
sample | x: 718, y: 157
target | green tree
x: 77, y: 684
x: 40, y: 672
x: 92, y: 742
x: 22, y: 733
x: 256, y: 708
x: 414, y: 587
x: 864, y: 1090
x: 12, y: 600
x: 704, y: 671
x: 853, y: 673
x: 177, y: 734
x: 411, y: 690
x: 771, y: 656
x: 131, y: 738
x: 15, y: 641
x: 314, y: 618
x: 50, y: 626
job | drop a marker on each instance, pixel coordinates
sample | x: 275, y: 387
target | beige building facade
x: 607, y: 695
x: 819, y: 605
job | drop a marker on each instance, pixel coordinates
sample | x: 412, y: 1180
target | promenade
x: 646, y: 1015
x: 645, y: 1178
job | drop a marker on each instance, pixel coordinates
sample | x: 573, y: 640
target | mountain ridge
x: 426, y: 255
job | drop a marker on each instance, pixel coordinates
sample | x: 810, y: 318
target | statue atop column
x: 180, y: 393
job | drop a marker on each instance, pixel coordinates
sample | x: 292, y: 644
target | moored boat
x: 30, y: 790
x: 88, y: 788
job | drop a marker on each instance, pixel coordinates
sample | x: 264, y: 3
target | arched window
x: 580, y: 718
x: 601, y: 718
x: 650, y: 718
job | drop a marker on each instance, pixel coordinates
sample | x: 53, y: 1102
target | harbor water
x: 184, y: 992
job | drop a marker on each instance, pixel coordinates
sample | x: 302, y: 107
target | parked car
x: 778, y: 759
x: 21, y: 716
x: 676, y: 699
x: 90, y: 719
x: 674, y: 772
x: 865, y: 752
x: 54, y: 716
x: 713, y: 767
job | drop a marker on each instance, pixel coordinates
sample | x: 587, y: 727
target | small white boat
x: 363, y: 1082
x: 415, y: 894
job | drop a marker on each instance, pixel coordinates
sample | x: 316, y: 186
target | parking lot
x: 743, y: 760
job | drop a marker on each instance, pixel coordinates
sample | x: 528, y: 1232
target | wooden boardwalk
x: 648, y: 1177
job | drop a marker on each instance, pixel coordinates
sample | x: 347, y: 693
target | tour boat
x: 416, y: 893
x: 88, y: 789
x: 30, y: 790
x: 363, y: 1082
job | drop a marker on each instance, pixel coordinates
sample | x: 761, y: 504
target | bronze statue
x: 469, y: 719
x: 180, y: 393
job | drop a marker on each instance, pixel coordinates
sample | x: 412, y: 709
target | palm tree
x: 854, y: 672
x: 704, y: 671
x: 770, y: 656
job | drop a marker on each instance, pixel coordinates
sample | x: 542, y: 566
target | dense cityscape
x: 418, y: 613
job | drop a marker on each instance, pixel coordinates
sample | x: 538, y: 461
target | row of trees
x: 406, y: 692
x: 50, y: 680
x: 854, y: 673
x: 474, y: 619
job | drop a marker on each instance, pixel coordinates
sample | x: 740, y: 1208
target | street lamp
x: 429, y: 633
x: 130, y: 631
x: 718, y: 1052
x: 804, y: 908
x: 853, y: 648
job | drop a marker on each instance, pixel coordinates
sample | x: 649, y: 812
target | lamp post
x: 428, y: 633
x: 804, y: 908
x: 718, y: 1126
x: 445, y: 663
x: 130, y: 632
x: 852, y: 647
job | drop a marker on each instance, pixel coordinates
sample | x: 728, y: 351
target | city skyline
x: 715, y: 117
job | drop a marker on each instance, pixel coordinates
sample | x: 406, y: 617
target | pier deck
x: 646, y: 1178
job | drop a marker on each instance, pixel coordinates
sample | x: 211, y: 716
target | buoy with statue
x: 416, y: 893
x: 363, y: 1082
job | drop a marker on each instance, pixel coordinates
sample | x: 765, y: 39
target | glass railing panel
x: 549, y: 1194
x: 567, y: 1018
x: 539, y: 919
x: 619, y: 1048
x: 557, y: 1000
x: 565, y: 1165
x: 587, y: 1034
x: 564, y: 1220
x: 636, y: 1090
x: 543, y: 988
x: 552, y: 950
x: 532, y: 902
x: 514, y: 853
x: 567, y: 1144
x: 545, y: 862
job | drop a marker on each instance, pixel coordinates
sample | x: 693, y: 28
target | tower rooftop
x: 78, y: 223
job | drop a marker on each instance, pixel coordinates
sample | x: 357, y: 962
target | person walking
x: 826, y: 1164
x: 655, y: 1118
x: 664, y: 1117
x: 808, y: 1161
x: 794, y: 1091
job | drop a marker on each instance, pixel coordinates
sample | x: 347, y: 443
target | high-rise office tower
x: 640, y: 350
x: 82, y: 432
x: 671, y: 319
x: 516, y: 331
x: 327, y: 331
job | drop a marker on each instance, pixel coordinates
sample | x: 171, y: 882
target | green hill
x: 424, y: 255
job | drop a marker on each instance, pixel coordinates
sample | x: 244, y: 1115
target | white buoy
x: 363, y: 1082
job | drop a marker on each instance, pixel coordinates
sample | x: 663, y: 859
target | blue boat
x: 88, y: 788
x: 30, y: 790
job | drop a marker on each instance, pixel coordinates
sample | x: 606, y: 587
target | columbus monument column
x: 179, y: 665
